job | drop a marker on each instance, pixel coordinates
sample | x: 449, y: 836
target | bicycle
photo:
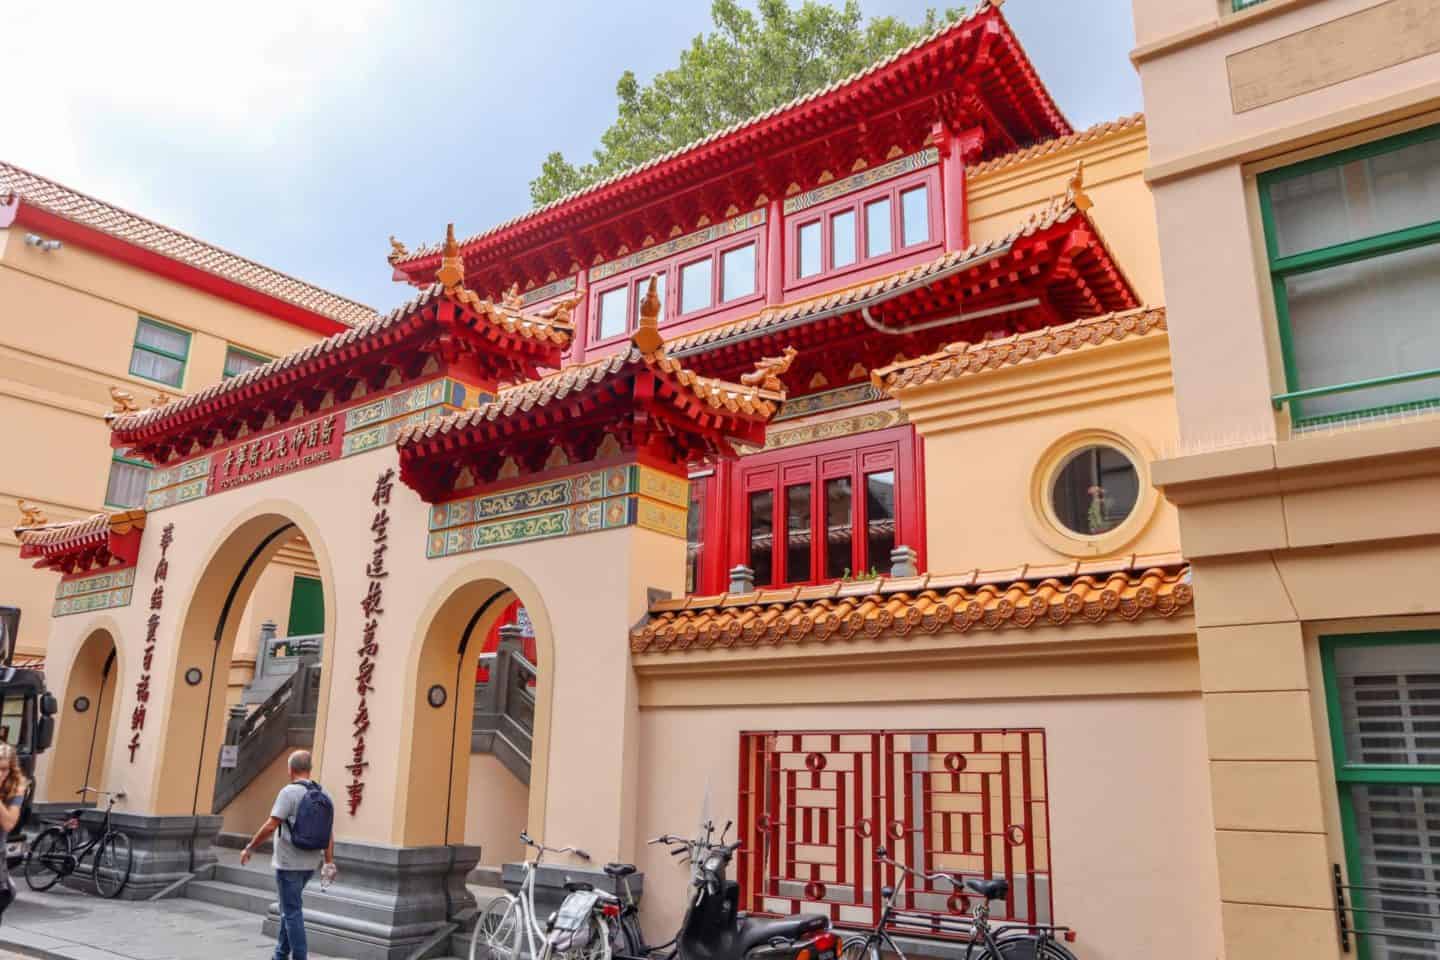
x: 506, y: 918
x: 59, y: 851
x: 999, y: 941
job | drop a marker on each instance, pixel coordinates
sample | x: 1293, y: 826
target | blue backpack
x: 314, y: 818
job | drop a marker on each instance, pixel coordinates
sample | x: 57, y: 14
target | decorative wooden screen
x: 814, y: 805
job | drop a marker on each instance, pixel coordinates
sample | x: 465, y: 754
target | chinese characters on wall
x: 152, y: 626
x: 279, y: 452
x: 371, y: 606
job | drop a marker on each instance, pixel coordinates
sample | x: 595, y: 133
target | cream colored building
x: 95, y: 299
x: 1295, y: 165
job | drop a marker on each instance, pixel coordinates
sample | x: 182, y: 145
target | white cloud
x: 230, y: 77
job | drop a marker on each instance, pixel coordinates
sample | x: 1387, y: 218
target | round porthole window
x: 1094, y: 490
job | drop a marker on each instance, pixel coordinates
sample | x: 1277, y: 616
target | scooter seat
x: 756, y: 932
x: 619, y: 870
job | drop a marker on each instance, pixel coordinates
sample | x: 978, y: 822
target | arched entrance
x: 195, y: 724
x: 89, y: 713
x: 466, y: 783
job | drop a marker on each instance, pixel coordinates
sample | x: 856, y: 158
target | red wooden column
x: 774, y: 251
x: 581, y: 316
x: 956, y: 151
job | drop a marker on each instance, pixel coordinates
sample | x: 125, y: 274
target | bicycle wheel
x: 48, y: 859
x: 1031, y: 947
x: 113, y: 859
x: 497, y: 931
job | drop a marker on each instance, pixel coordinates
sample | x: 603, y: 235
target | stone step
x: 250, y: 877
x: 232, y: 895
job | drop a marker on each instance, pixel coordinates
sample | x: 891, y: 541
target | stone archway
x: 89, y: 717
x: 194, y: 725
x: 439, y: 783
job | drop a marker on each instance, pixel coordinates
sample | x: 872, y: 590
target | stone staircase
x: 504, y: 722
x: 285, y: 720
x: 251, y: 889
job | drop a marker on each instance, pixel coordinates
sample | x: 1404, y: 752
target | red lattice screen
x: 814, y: 805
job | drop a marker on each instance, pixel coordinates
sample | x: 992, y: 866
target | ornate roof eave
x: 757, y: 133
x: 107, y: 535
x: 662, y: 409
x: 960, y: 358
x: 520, y: 344
x: 1123, y: 588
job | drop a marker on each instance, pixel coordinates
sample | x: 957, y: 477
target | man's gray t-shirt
x: 287, y: 856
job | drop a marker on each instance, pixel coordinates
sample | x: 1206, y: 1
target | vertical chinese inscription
x: 152, y: 626
x: 372, y: 607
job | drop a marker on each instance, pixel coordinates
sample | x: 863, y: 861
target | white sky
x: 301, y: 134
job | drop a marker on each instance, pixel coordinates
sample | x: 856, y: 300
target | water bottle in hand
x: 327, y: 875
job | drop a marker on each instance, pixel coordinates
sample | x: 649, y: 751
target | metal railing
x: 504, y: 720
x: 1354, y: 920
x: 1280, y: 399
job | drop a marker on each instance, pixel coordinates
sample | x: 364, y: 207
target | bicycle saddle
x: 619, y: 870
x: 582, y: 886
x: 989, y: 889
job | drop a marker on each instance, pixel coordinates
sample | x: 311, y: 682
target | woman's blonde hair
x: 14, y: 784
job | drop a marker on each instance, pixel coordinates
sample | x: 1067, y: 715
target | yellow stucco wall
x: 67, y: 326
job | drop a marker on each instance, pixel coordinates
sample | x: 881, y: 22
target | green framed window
x: 1383, y: 700
x: 238, y: 361
x: 128, y: 483
x: 160, y: 352
x: 1238, y: 5
x: 1353, y: 242
x: 307, y: 608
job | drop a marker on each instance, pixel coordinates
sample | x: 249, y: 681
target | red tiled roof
x: 750, y: 403
x: 889, y: 608
x: 1045, y: 105
x: 132, y: 228
x: 550, y: 327
x: 53, y: 539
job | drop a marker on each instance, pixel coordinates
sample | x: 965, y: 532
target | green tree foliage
x: 754, y: 60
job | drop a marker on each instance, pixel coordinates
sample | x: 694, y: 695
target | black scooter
x: 714, y: 929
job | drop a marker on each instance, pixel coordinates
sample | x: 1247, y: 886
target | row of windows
x: 853, y: 232
x: 860, y: 231
x: 161, y: 352
x: 724, y: 276
x: 1353, y: 243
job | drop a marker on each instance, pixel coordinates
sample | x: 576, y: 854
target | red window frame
x: 855, y: 203
x: 638, y: 278
x: 897, y: 449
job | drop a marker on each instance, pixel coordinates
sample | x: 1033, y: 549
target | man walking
x: 302, y: 822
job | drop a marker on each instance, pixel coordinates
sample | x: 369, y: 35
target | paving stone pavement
x: 76, y: 926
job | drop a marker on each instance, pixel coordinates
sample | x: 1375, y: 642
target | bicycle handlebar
x: 530, y: 841
x: 117, y: 795
x: 882, y: 855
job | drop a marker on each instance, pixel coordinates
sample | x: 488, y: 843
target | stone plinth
x: 386, y: 901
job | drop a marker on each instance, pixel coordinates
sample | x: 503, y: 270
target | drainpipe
x: 874, y: 324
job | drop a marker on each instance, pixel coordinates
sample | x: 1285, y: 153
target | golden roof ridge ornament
x: 1075, y: 189
x: 451, y: 274
x: 766, y: 374
x: 647, y: 338
x: 30, y: 515
x: 397, y: 250
x: 124, y: 401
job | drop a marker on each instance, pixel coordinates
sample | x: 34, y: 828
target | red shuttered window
x: 826, y: 511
